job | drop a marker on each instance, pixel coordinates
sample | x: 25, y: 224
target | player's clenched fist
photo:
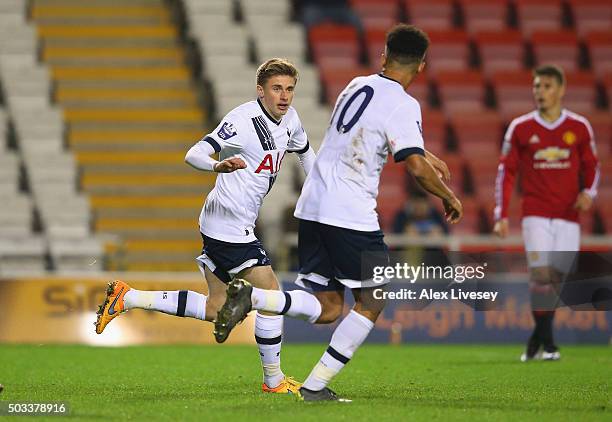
x: 501, y: 228
x: 583, y: 202
x: 229, y: 165
x: 453, y: 210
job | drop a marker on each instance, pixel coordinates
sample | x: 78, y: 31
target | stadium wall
x: 62, y: 310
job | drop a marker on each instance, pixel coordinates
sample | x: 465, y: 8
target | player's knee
x: 330, y: 312
x: 371, y: 314
x: 260, y: 277
x: 268, y: 284
x: 541, y: 275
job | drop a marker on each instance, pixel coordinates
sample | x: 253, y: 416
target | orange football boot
x: 113, y: 304
x: 287, y: 386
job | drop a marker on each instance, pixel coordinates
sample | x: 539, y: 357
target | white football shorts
x: 547, y: 238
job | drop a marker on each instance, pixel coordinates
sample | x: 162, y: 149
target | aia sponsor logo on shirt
x: 270, y: 164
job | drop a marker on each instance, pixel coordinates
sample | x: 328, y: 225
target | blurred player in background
x: 554, y: 150
x: 373, y: 116
x: 252, y: 141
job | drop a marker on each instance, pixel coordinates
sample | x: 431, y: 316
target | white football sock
x: 347, y: 337
x: 296, y: 303
x: 268, y: 335
x: 183, y: 303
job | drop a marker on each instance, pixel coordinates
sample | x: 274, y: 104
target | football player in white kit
x: 252, y: 141
x: 373, y: 117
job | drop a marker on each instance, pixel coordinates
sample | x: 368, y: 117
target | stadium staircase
x: 44, y: 220
x: 131, y: 108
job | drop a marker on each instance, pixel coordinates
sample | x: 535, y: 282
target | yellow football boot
x: 113, y: 304
x: 287, y: 386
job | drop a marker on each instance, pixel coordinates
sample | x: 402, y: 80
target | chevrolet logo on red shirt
x: 552, y: 154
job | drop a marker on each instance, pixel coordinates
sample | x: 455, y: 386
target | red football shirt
x: 551, y: 157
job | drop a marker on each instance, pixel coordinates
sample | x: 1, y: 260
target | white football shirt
x: 372, y: 117
x: 250, y: 133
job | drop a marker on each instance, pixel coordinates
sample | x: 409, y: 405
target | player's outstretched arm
x: 438, y: 165
x: 199, y: 157
x: 426, y: 176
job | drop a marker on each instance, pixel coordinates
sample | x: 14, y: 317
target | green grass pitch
x: 410, y: 382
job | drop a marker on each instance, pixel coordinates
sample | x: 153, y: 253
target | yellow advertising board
x: 63, y: 310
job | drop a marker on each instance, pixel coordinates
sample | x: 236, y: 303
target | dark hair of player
x: 406, y: 44
x: 552, y: 71
x: 275, y: 67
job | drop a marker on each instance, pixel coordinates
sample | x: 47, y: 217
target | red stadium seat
x: 449, y: 50
x: 580, y: 95
x: 471, y: 218
x: 604, y: 196
x: 471, y: 221
x: 500, y: 50
x: 484, y: 171
x: 375, y: 46
x: 335, y: 80
x: 478, y: 135
x: 513, y: 93
x: 607, y: 83
x: 591, y: 15
x: 434, y: 131
x: 461, y: 92
x: 602, y: 127
x: 456, y: 166
x: 556, y: 47
x: 538, y: 15
x: 484, y: 15
x: 393, y: 173
x: 334, y: 46
x: 430, y: 14
x: 391, y: 198
x: 607, y: 226
x: 376, y: 14
x: 419, y: 89
x: 602, y: 201
x: 600, y: 51
x: 586, y: 220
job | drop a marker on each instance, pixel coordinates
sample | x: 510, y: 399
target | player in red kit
x: 554, y: 150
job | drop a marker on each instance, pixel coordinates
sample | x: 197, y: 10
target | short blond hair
x: 275, y: 67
